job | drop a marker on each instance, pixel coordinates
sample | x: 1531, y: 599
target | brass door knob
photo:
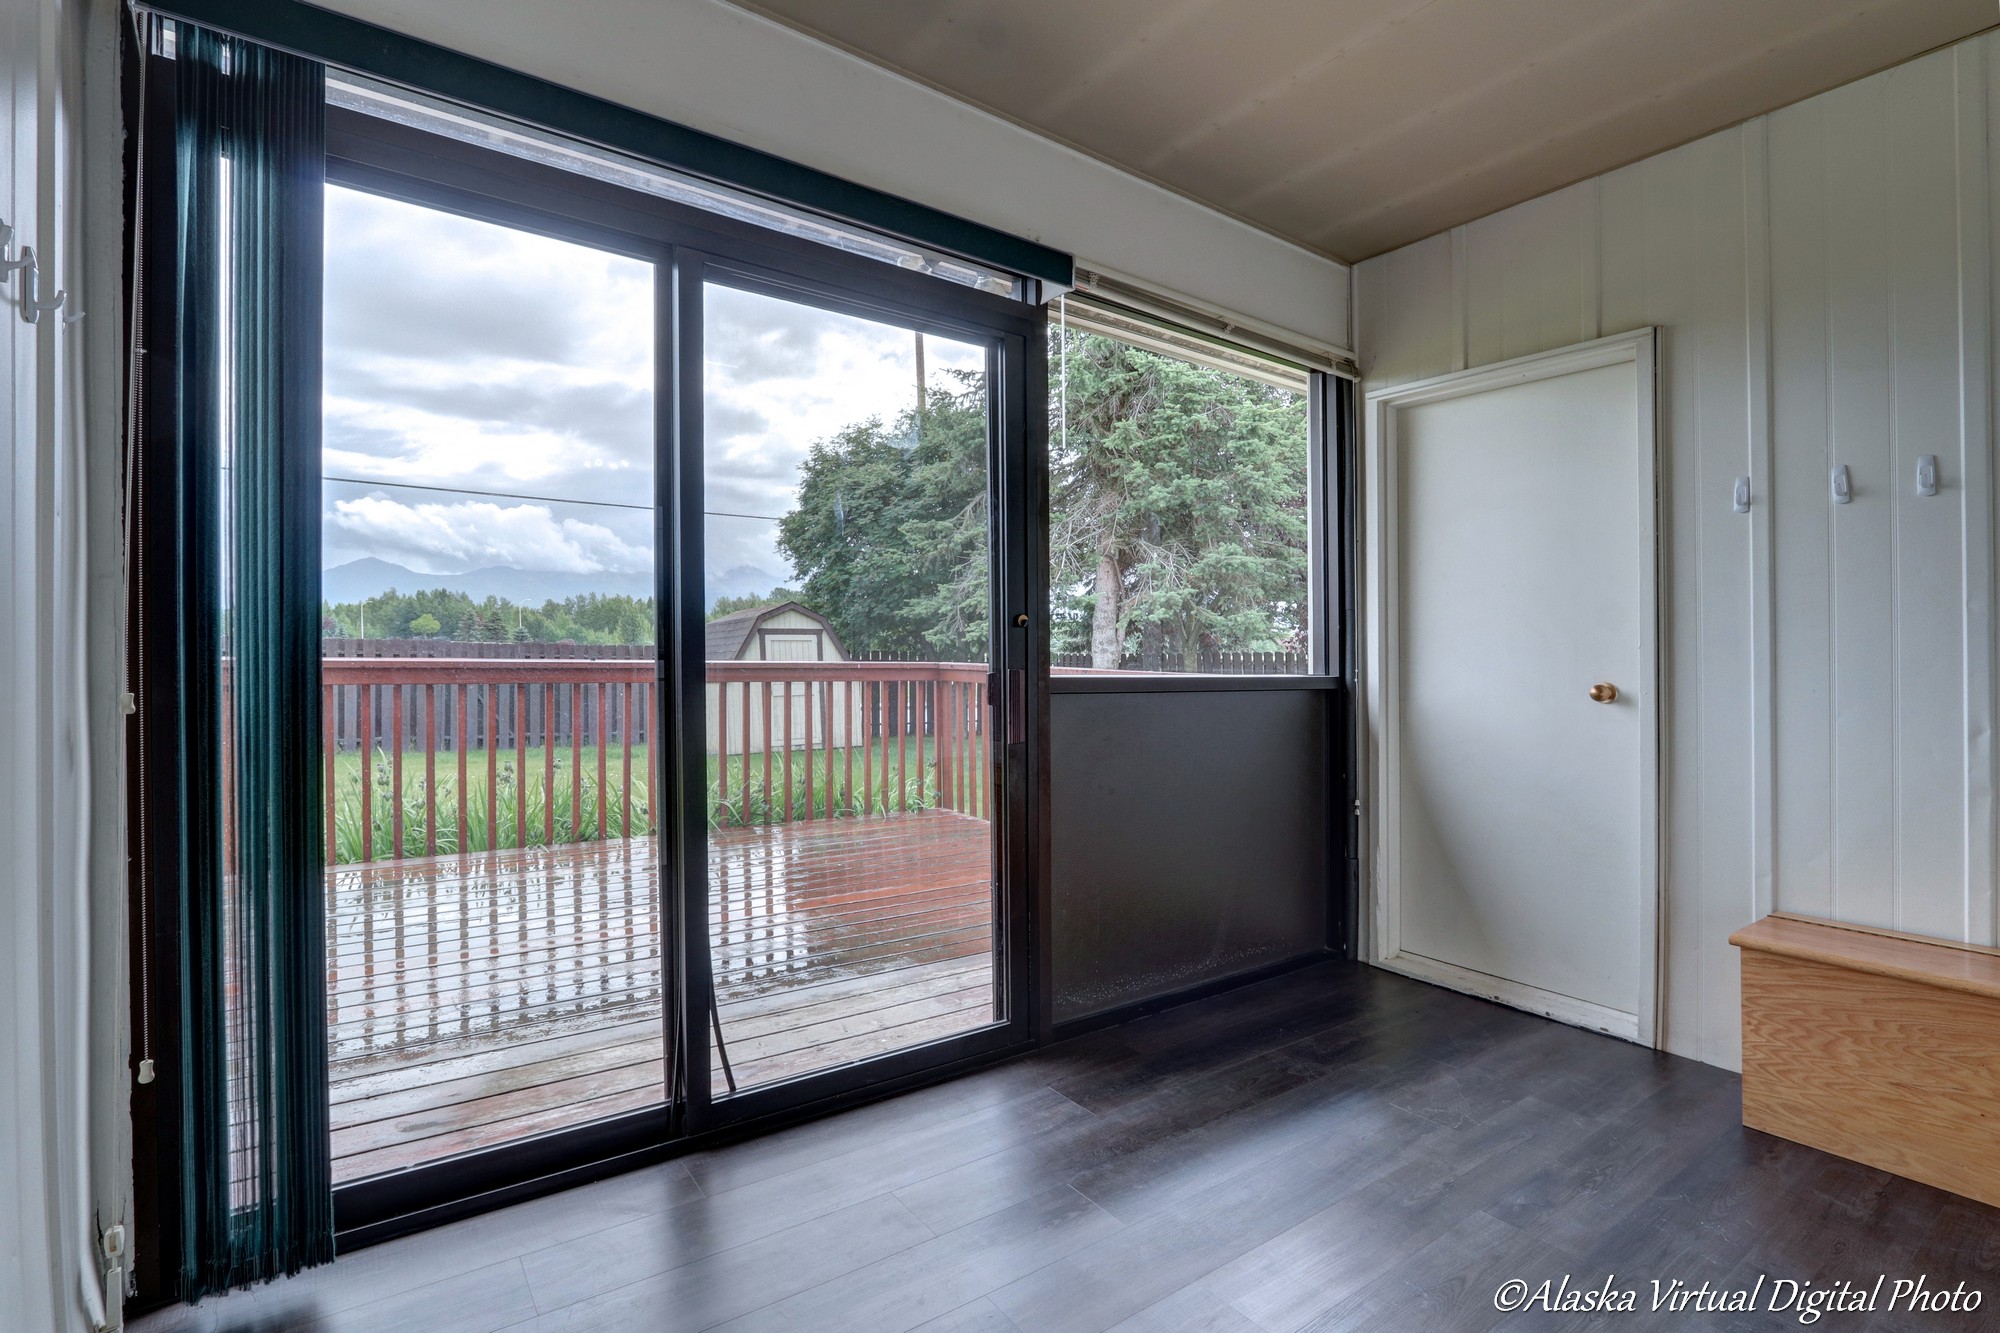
x: 1603, y: 692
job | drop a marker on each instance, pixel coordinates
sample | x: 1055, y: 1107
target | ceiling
x: 1356, y: 126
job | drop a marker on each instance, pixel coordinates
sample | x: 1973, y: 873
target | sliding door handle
x: 1017, y: 707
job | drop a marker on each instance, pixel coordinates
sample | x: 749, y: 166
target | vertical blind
x: 256, y: 1196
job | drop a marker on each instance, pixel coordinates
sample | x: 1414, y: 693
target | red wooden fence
x: 780, y: 717
x: 1209, y: 661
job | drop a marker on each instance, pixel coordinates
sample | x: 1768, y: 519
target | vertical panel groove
x: 1891, y: 484
x: 1975, y: 313
x: 1591, y: 301
x: 1460, y: 305
x: 1758, y: 464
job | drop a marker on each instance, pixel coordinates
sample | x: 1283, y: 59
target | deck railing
x: 438, y: 755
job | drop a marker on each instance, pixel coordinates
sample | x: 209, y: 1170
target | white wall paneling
x: 65, y: 1159
x: 1823, y: 281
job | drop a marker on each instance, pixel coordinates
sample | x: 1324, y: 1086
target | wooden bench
x: 1877, y: 1046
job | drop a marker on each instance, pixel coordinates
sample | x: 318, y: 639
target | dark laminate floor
x: 1337, y: 1149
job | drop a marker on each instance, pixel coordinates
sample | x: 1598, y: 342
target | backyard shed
x: 787, y: 632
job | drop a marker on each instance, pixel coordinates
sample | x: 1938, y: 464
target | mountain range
x: 358, y: 580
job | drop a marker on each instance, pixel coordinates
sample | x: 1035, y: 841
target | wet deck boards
x: 480, y: 999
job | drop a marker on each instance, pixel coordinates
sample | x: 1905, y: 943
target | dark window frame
x: 690, y: 247
x: 346, y: 43
x: 1331, y: 451
x: 392, y: 160
x: 686, y: 245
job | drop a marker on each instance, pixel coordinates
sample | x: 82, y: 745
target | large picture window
x: 1181, y: 503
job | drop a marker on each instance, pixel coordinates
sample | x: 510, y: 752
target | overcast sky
x: 468, y: 357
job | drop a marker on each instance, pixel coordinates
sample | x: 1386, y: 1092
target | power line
x: 548, y: 499
x: 494, y: 495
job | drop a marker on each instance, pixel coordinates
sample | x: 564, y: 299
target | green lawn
x: 580, y: 822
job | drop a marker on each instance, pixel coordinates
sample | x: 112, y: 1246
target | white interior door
x: 1514, y: 692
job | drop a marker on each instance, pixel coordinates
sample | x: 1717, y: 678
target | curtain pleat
x: 249, y: 168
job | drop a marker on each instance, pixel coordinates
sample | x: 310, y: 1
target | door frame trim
x: 1384, y: 707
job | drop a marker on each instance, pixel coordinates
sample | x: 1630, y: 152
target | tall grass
x: 575, y: 813
x: 839, y: 801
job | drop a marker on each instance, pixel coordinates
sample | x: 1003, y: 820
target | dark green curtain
x: 249, y: 161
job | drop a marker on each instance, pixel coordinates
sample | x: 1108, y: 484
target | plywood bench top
x: 1971, y: 968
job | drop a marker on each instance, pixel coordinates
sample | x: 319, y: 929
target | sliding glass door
x: 675, y: 669
x: 495, y: 959
x: 849, y: 750
x: 674, y: 646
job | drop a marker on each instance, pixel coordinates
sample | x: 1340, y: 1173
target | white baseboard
x: 1515, y: 995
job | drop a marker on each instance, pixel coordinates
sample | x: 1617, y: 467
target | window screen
x: 1181, y: 501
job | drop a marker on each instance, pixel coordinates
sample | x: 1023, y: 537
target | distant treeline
x: 443, y: 614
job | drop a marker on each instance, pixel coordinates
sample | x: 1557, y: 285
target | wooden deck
x: 474, y: 1000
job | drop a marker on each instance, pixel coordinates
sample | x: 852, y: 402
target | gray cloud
x: 729, y: 495
x: 475, y: 357
x: 761, y: 337
x: 405, y: 280
x: 608, y: 410
x: 446, y: 535
x: 591, y: 441
x: 726, y: 421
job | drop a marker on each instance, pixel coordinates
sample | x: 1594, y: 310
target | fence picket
x: 459, y: 737
x: 847, y: 720
x: 396, y: 771
x: 942, y: 724
x: 767, y: 746
x: 521, y: 767
x: 809, y: 746
x: 625, y: 803
x: 548, y: 766
x: 430, y: 771
x: 364, y: 724
x: 826, y: 712
x: 327, y: 743
x: 722, y: 756
x: 743, y: 786
x: 575, y: 762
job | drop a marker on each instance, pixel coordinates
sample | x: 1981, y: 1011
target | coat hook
x: 9, y: 265
x: 32, y: 305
